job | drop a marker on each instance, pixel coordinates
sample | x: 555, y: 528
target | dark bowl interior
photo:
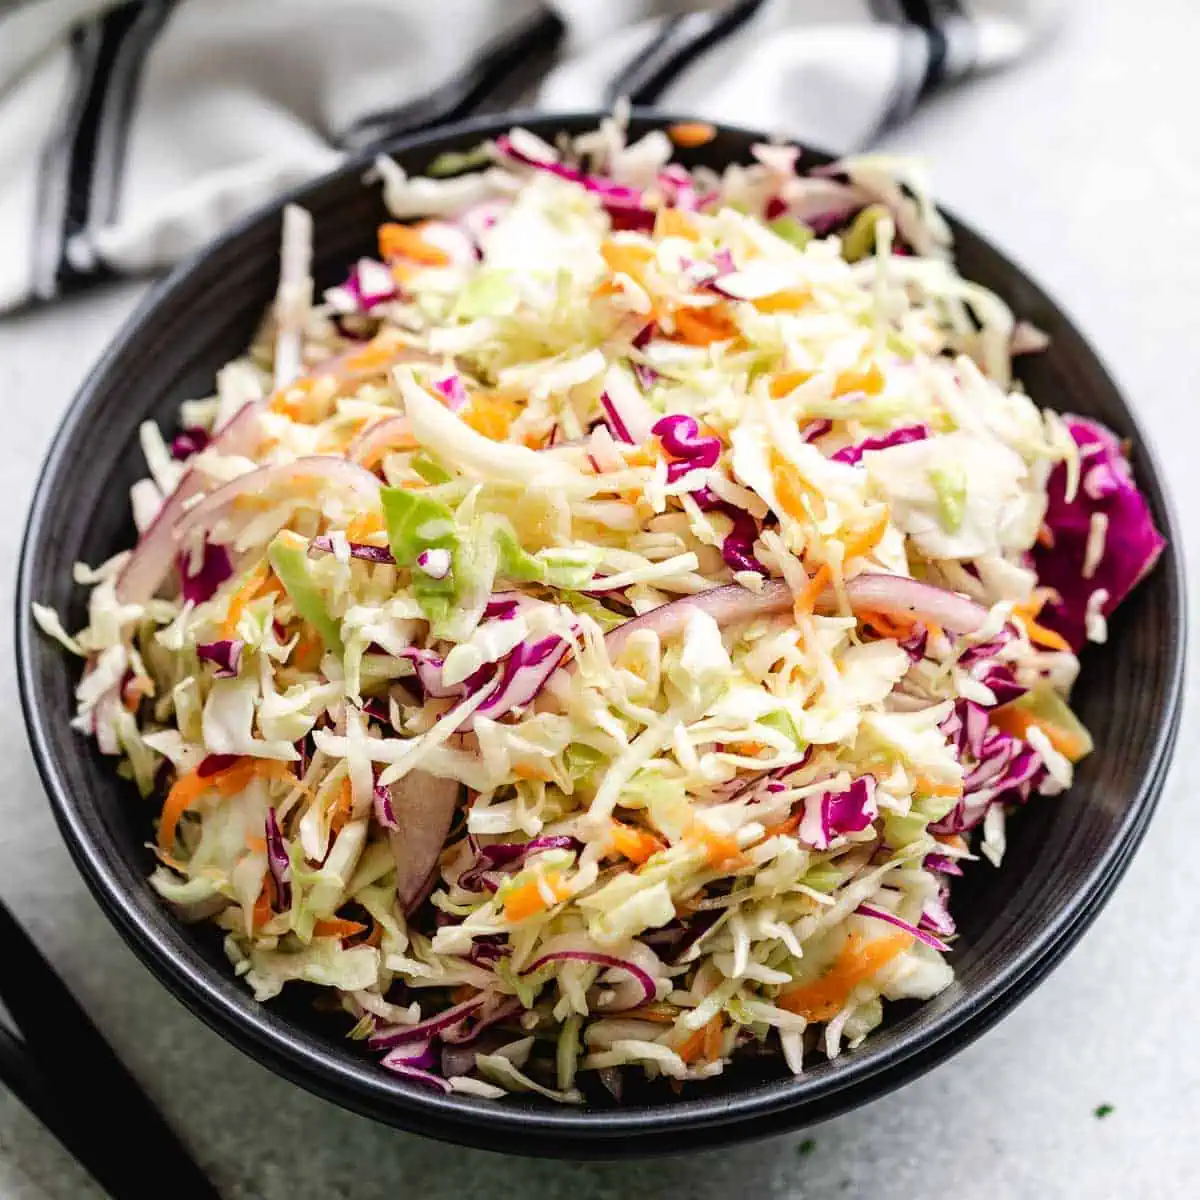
x: 1064, y: 856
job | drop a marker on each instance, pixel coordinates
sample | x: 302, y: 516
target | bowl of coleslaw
x: 620, y: 627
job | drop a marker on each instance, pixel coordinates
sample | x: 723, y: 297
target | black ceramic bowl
x: 1064, y: 857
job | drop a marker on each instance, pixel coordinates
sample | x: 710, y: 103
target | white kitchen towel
x: 132, y: 133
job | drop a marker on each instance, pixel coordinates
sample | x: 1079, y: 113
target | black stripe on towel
x: 682, y: 42
x: 507, y: 63
x: 117, y: 114
x: 113, y: 28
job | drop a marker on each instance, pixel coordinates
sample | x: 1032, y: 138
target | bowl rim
x: 307, y: 1059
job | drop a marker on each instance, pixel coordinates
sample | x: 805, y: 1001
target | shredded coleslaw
x: 589, y: 641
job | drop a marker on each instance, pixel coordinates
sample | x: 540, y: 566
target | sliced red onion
x: 403, y: 1035
x: 363, y: 550
x: 897, y: 437
x: 507, y: 855
x: 384, y: 813
x: 915, y: 644
x: 467, y: 1030
x: 423, y: 806
x: 649, y: 991
x: 815, y: 429
x: 152, y: 557
x: 188, y: 442
x: 881, y: 914
x: 226, y: 655
x: 895, y: 595
x: 373, y: 441
x: 215, y: 568
x: 420, y: 1055
x: 435, y: 563
x: 833, y: 814
x: 452, y: 390
x: 417, y: 1075
x: 318, y: 466
x: 278, y: 862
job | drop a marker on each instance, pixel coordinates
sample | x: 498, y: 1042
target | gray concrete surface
x: 1085, y: 164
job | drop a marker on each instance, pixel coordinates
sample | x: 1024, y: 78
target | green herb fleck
x: 806, y: 1147
x: 452, y: 162
x: 1103, y: 1111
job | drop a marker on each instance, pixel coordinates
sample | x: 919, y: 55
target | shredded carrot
x: 403, y: 241
x: 703, y: 326
x: 818, y: 582
x: 870, y: 381
x: 886, y: 625
x: 788, y: 381
x: 626, y: 258
x: 525, y: 771
x: 378, y: 354
x: 374, y: 938
x: 1026, y: 614
x: 527, y: 900
x: 660, y: 1014
x: 787, y: 300
x: 704, y: 1043
x: 635, y: 844
x: 792, y: 489
x: 863, y: 541
x: 784, y: 827
x: 721, y: 849
x: 263, y: 911
x: 491, y: 414
x: 184, y: 793
x: 337, y: 927
x: 339, y: 812
x: 670, y: 222
x: 462, y: 993
x: 256, y: 844
x: 748, y: 749
x: 1017, y: 722
x: 857, y: 961
x: 364, y: 525
x: 934, y: 787
x: 1045, y: 537
x: 691, y: 133
x: 309, y: 650
x: 238, y: 601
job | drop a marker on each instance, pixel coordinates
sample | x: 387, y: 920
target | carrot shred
x: 241, y: 598
x: 934, y: 787
x: 788, y: 381
x: 787, y: 300
x: 262, y: 911
x: 527, y: 900
x: 403, y: 241
x: 863, y: 541
x: 337, y: 927
x: 703, y: 327
x: 807, y: 600
x: 634, y: 844
x: 670, y: 222
x: 1026, y: 614
x: 257, y: 845
x: 364, y: 526
x: 704, y: 1043
x: 524, y: 771
x: 856, y: 962
x: 626, y: 258
x: 1018, y: 721
x: 491, y: 415
x: 691, y: 133
x: 340, y: 810
x: 721, y: 849
x: 870, y: 381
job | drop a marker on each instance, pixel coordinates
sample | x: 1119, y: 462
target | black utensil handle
x: 68, y: 1076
